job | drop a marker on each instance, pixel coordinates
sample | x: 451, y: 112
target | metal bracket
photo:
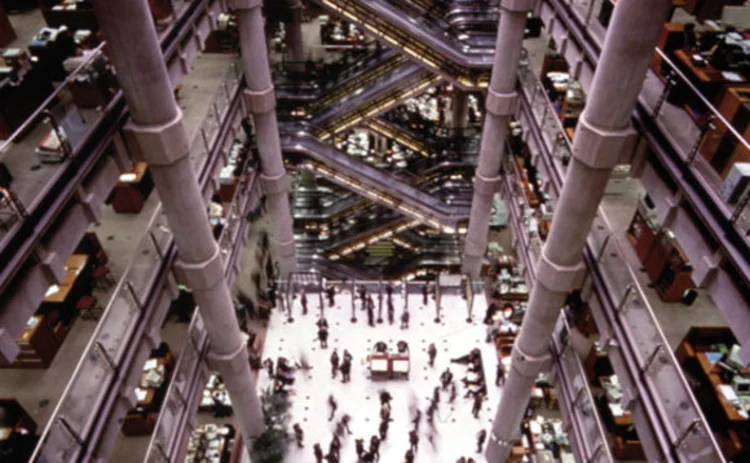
x: 559, y: 278
x: 501, y: 104
x: 600, y: 148
x: 200, y: 275
x: 260, y: 102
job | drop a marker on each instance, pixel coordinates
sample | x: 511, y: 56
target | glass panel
x: 49, y: 133
x: 642, y: 330
x: 60, y: 444
x: 117, y: 322
x: 85, y: 390
x: 144, y: 268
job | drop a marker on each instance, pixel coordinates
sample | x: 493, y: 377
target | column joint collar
x: 245, y: 4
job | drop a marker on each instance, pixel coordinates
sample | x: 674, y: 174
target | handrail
x: 240, y: 194
x: 580, y: 372
x: 120, y: 288
x: 557, y: 173
x: 704, y: 100
x: 38, y: 113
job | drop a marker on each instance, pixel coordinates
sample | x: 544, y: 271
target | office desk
x: 133, y: 189
x: 150, y: 392
x: 696, y: 357
x: 60, y: 293
x: 711, y: 371
x: 708, y: 80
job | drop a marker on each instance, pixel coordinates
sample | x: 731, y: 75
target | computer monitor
x: 741, y: 385
x: 733, y: 358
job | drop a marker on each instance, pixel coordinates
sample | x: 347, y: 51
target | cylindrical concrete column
x: 294, y: 32
x: 459, y: 109
x: 157, y: 124
x: 261, y: 103
x: 603, y: 132
x: 501, y: 103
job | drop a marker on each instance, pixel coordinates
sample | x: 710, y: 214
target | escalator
x: 316, y: 93
x: 334, y: 270
x: 371, y: 183
x: 425, y: 143
x: 385, y: 92
x: 433, y: 46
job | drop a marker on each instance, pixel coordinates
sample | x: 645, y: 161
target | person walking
x: 481, y: 437
x: 413, y: 440
x: 452, y: 397
x: 409, y: 456
x: 303, y: 301
x: 478, y: 397
x: 370, y: 311
x: 299, y: 435
x: 431, y: 413
x: 334, y: 363
x: 417, y: 419
x: 385, y: 412
x: 346, y: 370
x: 335, y: 447
x: 268, y: 363
x: 499, y: 374
x: 375, y: 448
x: 332, y: 405
x: 345, y: 423
x: 359, y: 446
x: 318, y: 452
x: 363, y: 296
x: 446, y: 378
x: 391, y: 312
x: 432, y: 353
x: 405, y: 319
x: 323, y: 337
x: 331, y: 293
x: 383, y: 430
x: 436, y: 396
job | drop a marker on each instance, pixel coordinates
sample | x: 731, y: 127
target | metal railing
x: 573, y: 384
x: 73, y: 417
x: 664, y: 379
x: 692, y: 126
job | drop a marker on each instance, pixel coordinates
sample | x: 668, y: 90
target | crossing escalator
x: 453, y: 54
x: 369, y: 182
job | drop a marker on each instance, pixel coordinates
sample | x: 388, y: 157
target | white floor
x: 455, y: 427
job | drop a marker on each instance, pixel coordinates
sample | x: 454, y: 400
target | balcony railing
x: 686, y: 426
x: 104, y: 358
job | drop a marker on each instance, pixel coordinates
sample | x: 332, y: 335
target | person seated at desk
x: 690, y: 38
x: 729, y: 50
x: 220, y: 410
x: 469, y: 358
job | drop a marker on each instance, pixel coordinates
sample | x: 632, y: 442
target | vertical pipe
x: 459, y: 110
x: 501, y: 103
x: 261, y: 103
x: 158, y: 127
x: 603, y: 133
x: 294, y: 32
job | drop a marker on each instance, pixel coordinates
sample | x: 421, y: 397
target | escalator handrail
x: 303, y: 135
